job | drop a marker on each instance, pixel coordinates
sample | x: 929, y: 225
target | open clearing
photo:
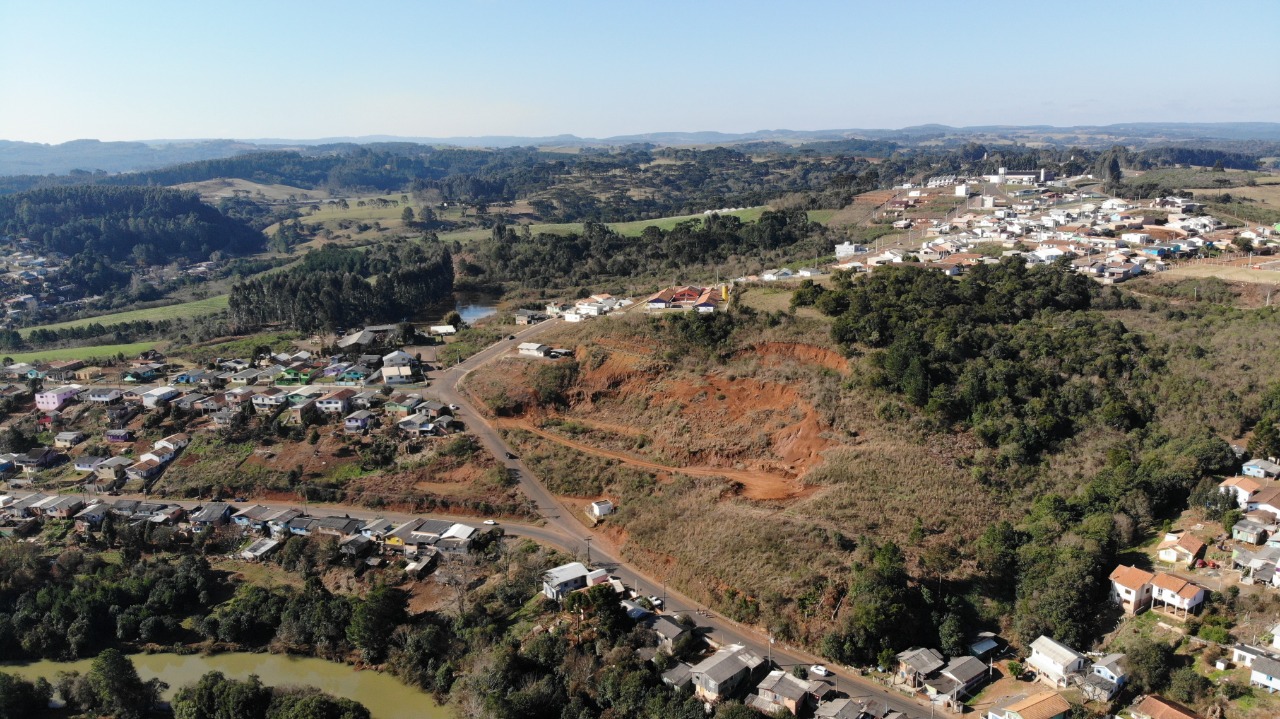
x: 212, y: 191
x: 631, y: 229
x: 83, y: 353
x: 184, y: 310
x: 1237, y: 273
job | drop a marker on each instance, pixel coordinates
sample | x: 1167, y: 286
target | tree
x: 21, y: 699
x: 214, y: 696
x: 111, y: 687
x: 455, y: 319
x: 407, y: 216
x: 1149, y: 664
x: 1114, y: 175
x: 375, y: 619
x: 1187, y: 685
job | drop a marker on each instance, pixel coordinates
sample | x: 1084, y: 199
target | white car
x: 489, y: 521
x: 820, y: 670
x: 454, y: 407
x: 656, y: 602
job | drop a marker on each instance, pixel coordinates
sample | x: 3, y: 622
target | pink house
x: 53, y: 399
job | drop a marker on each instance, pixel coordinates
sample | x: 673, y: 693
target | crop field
x: 82, y: 353
x: 185, y: 310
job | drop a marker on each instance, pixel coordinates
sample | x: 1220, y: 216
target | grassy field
x: 184, y: 310
x: 631, y: 229
x: 212, y: 191
x: 1179, y: 178
x: 84, y: 353
x: 1226, y: 272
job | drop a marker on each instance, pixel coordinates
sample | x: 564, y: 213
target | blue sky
x: 149, y: 70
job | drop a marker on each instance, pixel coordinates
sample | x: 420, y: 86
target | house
x: 432, y: 408
x: 118, y: 435
x: 354, y: 375
x: 669, y: 631
x: 1265, y: 673
x: 174, y: 442
x: 1242, y: 488
x: 916, y: 665
x: 775, y: 275
x: 37, y: 459
x: 783, y: 690
x: 723, y: 673
x: 529, y: 317
x: 269, y: 399
x: 67, y: 440
x: 112, y: 469
x: 1106, y: 679
x: 1180, y: 548
x: 189, y: 402
x: 533, y: 349
x: 91, y: 516
x: 402, y: 405
x: 417, y: 425
x: 297, y: 373
x: 62, y: 507
x: 1177, y: 593
x: 144, y: 469
x: 441, y: 330
x: 679, y: 676
x: 212, y: 514
x: 259, y: 549
x: 558, y: 582
x: 1055, y: 662
x: 1131, y: 588
x: 357, y: 545
x: 1045, y: 705
x: 1266, y: 499
x: 377, y: 529
x: 1249, y: 532
x: 103, y: 395
x: 336, y: 402
x: 964, y: 674
x: 601, y: 509
x: 1156, y: 707
x: 1244, y: 655
x: 54, y: 399
x: 89, y: 463
x: 154, y: 397
x: 1261, y: 468
x: 357, y: 421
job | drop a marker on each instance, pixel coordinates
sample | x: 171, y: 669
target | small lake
x: 475, y: 305
x: 383, y: 694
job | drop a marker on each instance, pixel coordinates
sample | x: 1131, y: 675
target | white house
x: 1266, y: 499
x: 1177, y: 593
x: 602, y: 508
x: 1244, y: 655
x: 1131, y: 588
x: 1106, y: 679
x: 174, y: 442
x: 849, y: 249
x: 558, y: 582
x: 775, y: 275
x: 53, y: 399
x: 533, y: 349
x: 443, y: 330
x: 152, y: 397
x: 1241, y: 487
x: 1180, y: 548
x: 1054, y: 662
x: 399, y: 358
x: 1265, y: 673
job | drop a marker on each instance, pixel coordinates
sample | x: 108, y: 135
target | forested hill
x: 335, y: 287
x: 147, y: 225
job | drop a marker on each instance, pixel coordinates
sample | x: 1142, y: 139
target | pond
x: 475, y: 305
x: 383, y: 694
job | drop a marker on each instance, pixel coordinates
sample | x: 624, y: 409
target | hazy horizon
x: 151, y: 71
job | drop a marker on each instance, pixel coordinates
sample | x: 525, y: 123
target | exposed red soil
x: 782, y: 352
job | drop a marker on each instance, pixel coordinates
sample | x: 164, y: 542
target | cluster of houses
x: 1110, y: 241
x: 420, y: 539
x: 1136, y: 589
x: 596, y: 305
x: 1263, y: 662
x: 1255, y: 537
x: 688, y: 297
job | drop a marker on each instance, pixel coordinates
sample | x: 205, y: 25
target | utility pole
x: 588, y: 541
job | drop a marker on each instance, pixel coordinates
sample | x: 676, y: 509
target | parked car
x: 820, y: 670
x: 489, y: 521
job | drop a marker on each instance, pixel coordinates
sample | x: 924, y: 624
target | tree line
x: 334, y: 288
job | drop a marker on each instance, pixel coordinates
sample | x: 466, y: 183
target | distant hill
x: 34, y: 159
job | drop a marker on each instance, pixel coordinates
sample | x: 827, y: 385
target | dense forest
x: 125, y: 224
x: 1022, y: 359
x: 338, y: 288
x: 599, y: 253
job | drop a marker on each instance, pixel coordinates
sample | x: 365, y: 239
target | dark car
x: 511, y: 337
x: 510, y: 456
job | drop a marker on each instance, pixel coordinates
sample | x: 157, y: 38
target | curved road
x: 563, y: 531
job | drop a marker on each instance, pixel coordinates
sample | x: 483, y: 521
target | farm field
x: 197, y: 308
x: 82, y: 353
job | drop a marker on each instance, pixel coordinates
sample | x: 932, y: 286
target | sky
x: 134, y: 70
